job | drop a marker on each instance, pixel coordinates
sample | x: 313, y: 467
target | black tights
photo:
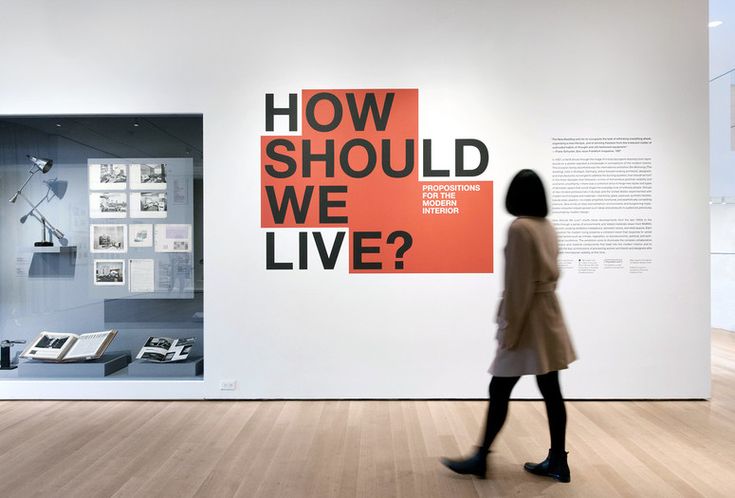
x: 548, y: 384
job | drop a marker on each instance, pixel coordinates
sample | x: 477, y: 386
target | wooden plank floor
x: 364, y: 448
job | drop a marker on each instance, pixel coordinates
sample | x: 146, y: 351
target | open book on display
x: 165, y: 349
x: 61, y: 346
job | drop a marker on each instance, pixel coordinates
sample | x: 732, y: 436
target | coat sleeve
x: 519, y: 283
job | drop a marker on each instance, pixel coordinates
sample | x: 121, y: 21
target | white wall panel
x: 513, y: 73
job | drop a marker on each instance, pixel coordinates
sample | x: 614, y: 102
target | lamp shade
x: 57, y: 187
x: 42, y: 164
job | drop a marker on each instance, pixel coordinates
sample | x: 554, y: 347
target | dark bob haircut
x: 526, y: 195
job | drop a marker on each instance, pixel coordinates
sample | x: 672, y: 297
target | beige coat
x: 532, y: 336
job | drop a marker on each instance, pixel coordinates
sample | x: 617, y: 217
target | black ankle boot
x: 554, y: 466
x: 475, y: 465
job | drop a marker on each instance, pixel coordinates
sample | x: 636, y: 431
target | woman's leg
x: 476, y: 464
x: 555, y: 464
x: 497, y: 410
x: 548, y: 384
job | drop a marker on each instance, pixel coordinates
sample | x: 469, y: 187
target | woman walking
x: 532, y: 337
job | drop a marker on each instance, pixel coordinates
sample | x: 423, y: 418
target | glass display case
x: 101, y: 223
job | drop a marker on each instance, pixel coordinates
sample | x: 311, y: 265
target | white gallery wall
x: 513, y: 74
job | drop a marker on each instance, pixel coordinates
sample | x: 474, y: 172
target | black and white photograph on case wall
x: 148, y: 205
x: 109, y: 272
x: 148, y: 176
x: 108, y: 176
x: 141, y: 235
x: 108, y: 238
x: 108, y: 205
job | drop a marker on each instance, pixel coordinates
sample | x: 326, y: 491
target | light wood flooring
x: 364, y: 448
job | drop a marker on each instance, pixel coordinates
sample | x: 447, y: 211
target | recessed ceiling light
x: 714, y: 24
x: 58, y: 125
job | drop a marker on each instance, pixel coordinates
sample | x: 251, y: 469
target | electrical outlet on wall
x: 227, y: 385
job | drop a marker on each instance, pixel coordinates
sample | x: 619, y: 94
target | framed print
x: 108, y: 238
x: 148, y: 176
x: 108, y: 205
x: 108, y: 176
x: 109, y: 272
